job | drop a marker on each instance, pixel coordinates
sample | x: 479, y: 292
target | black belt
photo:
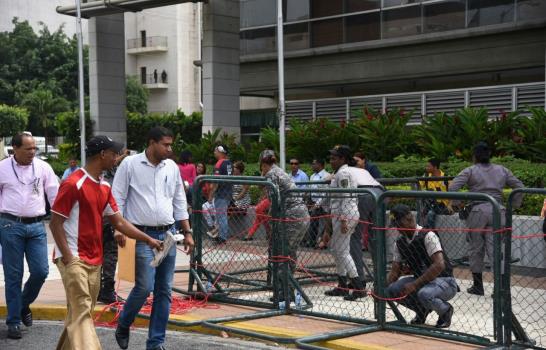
x: 22, y: 220
x: 154, y: 228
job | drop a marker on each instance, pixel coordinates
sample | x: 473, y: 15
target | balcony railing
x: 149, y: 44
x: 159, y: 80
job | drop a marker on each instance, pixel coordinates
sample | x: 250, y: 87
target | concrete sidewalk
x: 51, y: 306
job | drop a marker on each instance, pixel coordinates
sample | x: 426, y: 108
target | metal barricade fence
x: 476, y: 319
x: 315, y: 270
x: 525, y: 275
x: 224, y: 267
x: 283, y: 269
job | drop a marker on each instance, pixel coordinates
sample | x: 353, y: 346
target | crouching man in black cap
x: 432, y: 283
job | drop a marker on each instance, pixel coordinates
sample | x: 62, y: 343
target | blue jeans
x: 220, y: 208
x: 149, y: 279
x: 432, y: 296
x: 19, y: 240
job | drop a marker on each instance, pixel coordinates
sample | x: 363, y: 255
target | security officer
x: 432, y: 283
x: 488, y: 178
x: 345, y: 216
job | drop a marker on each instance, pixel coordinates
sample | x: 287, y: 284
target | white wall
x: 179, y: 24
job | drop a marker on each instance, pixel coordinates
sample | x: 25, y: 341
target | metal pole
x: 280, y: 61
x: 80, y: 81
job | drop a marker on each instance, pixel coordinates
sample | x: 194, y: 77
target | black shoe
x: 219, y: 241
x: 359, y: 290
x: 420, y: 318
x: 475, y: 290
x: 26, y: 316
x: 14, y: 332
x: 444, y: 321
x: 106, y: 299
x: 341, y: 290
x: 122, y: 337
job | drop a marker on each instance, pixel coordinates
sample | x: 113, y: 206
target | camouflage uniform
x: 295, y: 212
x: 110, y: 258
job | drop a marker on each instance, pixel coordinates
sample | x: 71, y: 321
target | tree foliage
x: 137, y: 96
x: 29, y: 60
x: 12, y: 120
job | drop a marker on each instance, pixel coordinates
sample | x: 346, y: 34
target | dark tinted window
x: 487, y: 12
x: 327, y: 32
x: 444, y: 16
x: 401, y: 21
x: 323, y: 8
x: 363, y: 27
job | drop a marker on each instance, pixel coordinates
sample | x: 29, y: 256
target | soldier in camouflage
x: 296, y: 214
x: 345, y: 216
x: 107, y: 293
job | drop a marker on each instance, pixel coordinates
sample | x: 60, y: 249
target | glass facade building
x: 319, y: 23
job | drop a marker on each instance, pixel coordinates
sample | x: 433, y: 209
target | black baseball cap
x: 342, y: 151
x: 398, y: 212
x: 100, y: 143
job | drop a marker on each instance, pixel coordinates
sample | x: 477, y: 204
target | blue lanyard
x: 33, y: 175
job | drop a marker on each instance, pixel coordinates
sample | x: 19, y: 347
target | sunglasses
x: 294, y: 163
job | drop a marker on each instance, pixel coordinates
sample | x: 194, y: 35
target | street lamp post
x: 280, y: 62
x: 81, y: 81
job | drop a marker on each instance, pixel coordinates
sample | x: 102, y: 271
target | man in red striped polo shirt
x: 76, y: 223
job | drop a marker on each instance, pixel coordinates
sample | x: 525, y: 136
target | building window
x: 296, y: 36
x: 363, y: 27
x: 327, y: 32
x: 143, y: 38
x: 391, y: 3
x: 323, y: 8
x: 487, y: 12
x: 295, y: 10
x: 143, y: 75
x: 258, y: 40
x: 402, y: 21
x: 256, y: 13
x: 444, y: 16
x: 361, y: 5
x: 531, y: 9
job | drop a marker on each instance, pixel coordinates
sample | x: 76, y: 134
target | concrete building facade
x: 161, y: 47
x: 338, y: 53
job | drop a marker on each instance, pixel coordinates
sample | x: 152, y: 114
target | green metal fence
x: 524, y: 276
x: 475, y: 320
x: 283, y: 271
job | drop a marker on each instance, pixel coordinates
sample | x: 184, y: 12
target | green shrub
x: 186, y: 128
x: 383, y: 136
x: 12, y: 120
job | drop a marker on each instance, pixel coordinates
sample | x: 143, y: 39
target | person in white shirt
x: 345, y: 216
x: 149, y: 192
x: 366, y: 209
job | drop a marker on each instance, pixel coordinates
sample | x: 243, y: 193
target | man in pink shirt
x: 24, y: 180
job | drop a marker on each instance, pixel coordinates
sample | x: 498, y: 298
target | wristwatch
x: 185, y: 232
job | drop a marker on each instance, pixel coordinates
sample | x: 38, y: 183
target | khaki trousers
x: 81, y: 284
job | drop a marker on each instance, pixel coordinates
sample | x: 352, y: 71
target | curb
x: 58, y: 313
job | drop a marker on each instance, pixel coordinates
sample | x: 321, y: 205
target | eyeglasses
x: 294, y: 163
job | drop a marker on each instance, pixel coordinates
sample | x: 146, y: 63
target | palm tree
x: 43, y: 104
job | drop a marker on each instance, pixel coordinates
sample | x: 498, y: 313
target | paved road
x: 44, y: 334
